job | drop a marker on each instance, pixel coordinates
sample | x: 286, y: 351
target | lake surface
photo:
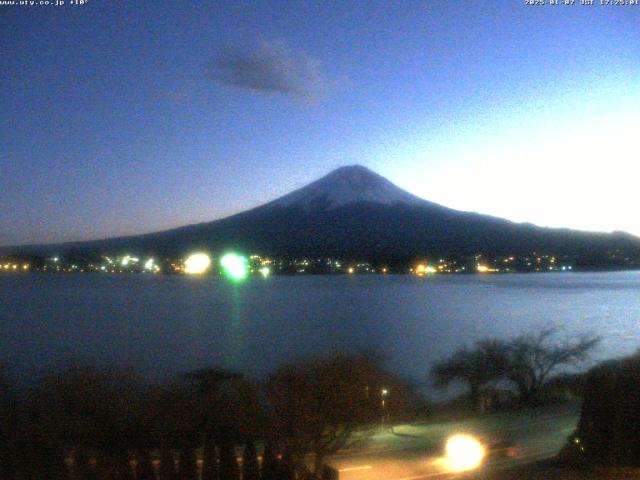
x: 162, y: 325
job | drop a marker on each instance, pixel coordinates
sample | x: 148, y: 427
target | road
x: 414, y: 451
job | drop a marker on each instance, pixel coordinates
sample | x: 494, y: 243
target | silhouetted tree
x: 317, y: 404
x: 532, y: 358
x: 227, y: 405
x: 565, y: 385
x: 207, y: 380
x: 171, y: 424
x: 477, y: 367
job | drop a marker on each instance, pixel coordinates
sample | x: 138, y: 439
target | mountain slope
x: 355, y: 213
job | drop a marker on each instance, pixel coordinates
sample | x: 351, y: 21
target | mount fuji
x: 354, y: 213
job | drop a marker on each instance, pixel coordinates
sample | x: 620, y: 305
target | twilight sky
x: 123, y: 117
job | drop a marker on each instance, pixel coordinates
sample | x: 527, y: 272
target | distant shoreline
x: 390, y: 274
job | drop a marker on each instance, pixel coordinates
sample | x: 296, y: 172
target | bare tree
x: 477, y: 367
x: 227, y: 411
x: 317, y: 405
x: 533, y: 358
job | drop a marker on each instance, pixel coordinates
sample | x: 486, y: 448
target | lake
x: 163, y: 325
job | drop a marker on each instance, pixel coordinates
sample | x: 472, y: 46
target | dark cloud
x: 271, y: 67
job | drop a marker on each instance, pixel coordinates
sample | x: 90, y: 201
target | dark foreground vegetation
x: 606, y: 443
x: 609, y: 428
x: 89, y: 423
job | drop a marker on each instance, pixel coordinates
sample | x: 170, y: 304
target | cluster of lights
x: 14, y: 266
x: 423, y: 269
x: 236, y: 267
x: 359, y: 268
x: 150, y: 266
x: 127, y: 259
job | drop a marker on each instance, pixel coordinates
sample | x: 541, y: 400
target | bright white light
x: 464, y: 452
x: 197, y: 263
x: 265, y: 271
x: 424, y: 269
x: 149, y: 264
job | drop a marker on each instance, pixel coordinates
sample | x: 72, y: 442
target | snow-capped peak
x: 346, y: 185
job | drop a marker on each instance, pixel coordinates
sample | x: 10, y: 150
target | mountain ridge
x: 353, y: 212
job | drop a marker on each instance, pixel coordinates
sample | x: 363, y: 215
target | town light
x: 234, y: 266
x: 197, y: 263
x: 265, y: 271
x: 423, y: 269
x: 464, y: 452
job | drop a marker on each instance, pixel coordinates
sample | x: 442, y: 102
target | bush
x: 609, y: 426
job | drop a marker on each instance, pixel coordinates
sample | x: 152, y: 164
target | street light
x: 384, y: 393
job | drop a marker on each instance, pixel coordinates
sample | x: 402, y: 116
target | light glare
x: 234, y: 266
x: 197, y: 263
x: 464, y: 452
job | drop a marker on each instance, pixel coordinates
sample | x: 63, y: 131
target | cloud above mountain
x: 271, y: 67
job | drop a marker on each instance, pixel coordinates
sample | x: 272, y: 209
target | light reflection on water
x: 162, y: 325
